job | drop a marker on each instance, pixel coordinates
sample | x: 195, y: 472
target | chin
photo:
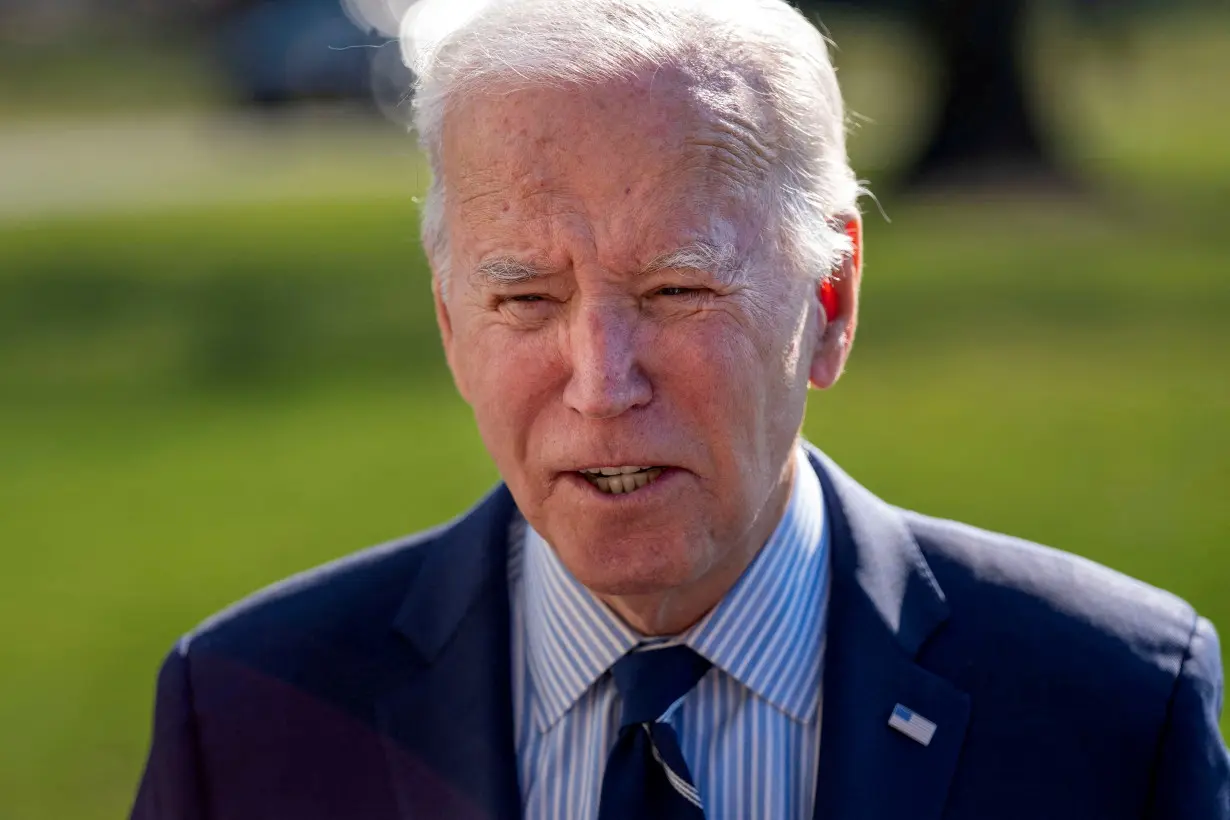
x: 636, y: 566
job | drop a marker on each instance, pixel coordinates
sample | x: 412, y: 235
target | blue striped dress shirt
x: 750, y: 730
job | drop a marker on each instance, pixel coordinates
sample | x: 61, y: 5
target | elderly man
x: 645, y: 242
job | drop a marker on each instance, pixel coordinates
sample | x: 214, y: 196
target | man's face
x: 582, y: 340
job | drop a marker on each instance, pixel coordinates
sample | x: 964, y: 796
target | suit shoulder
x: 353, y: 593
x: 1054, y: 607
x: 346, y: 610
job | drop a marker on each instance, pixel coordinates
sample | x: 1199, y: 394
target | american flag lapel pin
x: 912, y: 725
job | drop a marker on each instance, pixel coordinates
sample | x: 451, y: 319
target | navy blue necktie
x: 646, y: 776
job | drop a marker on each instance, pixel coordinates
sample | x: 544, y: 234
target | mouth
x: 621, y: 480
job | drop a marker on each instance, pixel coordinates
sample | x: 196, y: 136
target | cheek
x: 510, y: 377
x: 738, y: 387
x: 716, y: 353
x: 711, y: 370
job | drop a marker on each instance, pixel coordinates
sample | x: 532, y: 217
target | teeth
x: 621, y: 482
x: 613, y: 470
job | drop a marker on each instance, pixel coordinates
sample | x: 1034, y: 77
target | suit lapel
x: 449, y: 725
x: 884, y: 605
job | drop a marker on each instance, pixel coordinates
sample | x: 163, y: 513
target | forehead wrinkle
x: 732, y: 122
x: 742, y: 140
x: 731, y: 150
x: 726, y: 153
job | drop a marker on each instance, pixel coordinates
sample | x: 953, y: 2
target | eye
x: 677, y: 291
x: 528, y: 308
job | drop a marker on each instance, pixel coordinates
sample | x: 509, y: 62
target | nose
x: 606, y: 378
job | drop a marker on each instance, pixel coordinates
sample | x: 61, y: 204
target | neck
x: 671, y: 611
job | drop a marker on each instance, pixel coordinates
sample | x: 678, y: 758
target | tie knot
x: 650, y: 680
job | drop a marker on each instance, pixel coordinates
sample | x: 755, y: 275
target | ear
x: 835, y: 334
x: 445, y: 322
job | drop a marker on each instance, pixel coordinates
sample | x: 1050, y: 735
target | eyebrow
x: 720, y: 260
x: 505, y: 271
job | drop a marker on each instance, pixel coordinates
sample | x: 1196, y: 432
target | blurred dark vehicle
x: 274, y: 52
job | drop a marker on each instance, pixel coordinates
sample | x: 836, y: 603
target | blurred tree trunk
x: 986, y: 129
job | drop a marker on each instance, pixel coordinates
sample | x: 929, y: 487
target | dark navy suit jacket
x: 378, y: 687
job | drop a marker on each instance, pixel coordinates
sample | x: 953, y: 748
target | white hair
x: 462, y: 48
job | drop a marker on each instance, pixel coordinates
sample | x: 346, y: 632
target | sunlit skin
x: 580, y: 343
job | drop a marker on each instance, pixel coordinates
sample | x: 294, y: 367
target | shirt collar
x: 767, y: 632
x: 572, y: 638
